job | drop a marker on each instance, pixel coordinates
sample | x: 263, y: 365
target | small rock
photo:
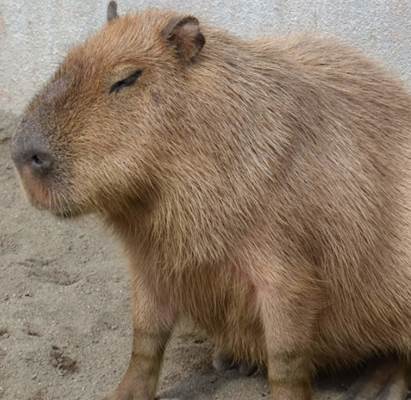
x: 64, y: 364
x: 4, y: 333
x: 31, y: 332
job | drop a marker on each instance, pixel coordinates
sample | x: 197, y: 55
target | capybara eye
x: 130, y: 80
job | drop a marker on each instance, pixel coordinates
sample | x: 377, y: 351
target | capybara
x: 261, y: 188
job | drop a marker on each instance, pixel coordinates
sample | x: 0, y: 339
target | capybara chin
x: 261, y: 188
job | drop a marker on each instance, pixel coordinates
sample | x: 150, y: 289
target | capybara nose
x: 32, y: 153
x: 39, y: 162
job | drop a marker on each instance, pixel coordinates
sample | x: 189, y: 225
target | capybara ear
x: 183, y: 33
x: 112, y: 11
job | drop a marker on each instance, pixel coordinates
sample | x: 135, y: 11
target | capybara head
x: 88, y: 139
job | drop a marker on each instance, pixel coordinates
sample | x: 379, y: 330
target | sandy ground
x: 65, y: 330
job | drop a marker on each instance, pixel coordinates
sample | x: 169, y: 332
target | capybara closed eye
x: 260, y: 187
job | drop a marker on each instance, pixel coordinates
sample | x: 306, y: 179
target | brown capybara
x: 261, y: 188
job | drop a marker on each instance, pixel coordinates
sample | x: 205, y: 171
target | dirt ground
x: 65, y: 330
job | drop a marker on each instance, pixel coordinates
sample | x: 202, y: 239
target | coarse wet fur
x: 260, y: 188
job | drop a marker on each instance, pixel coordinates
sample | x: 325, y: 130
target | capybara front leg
x: 152, y: 326
x: 287, y: 332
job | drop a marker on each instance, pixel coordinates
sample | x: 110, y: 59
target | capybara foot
x: 246, y: 368
x: 223, y: 361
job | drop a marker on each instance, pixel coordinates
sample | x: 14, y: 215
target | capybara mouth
x: 57, y: 209
x: 42, y: 197
x: 37, y: 193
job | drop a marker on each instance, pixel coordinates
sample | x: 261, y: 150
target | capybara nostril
x: 31, y: 150
x: 40, y: 162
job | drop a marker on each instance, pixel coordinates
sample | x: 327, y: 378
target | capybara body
x: 260, y: 188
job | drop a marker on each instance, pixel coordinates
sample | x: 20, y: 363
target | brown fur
x: 261, y: 188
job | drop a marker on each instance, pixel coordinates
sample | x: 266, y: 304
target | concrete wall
x: 34, y: 35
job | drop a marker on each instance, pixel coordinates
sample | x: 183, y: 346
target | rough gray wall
x: 34, y: 35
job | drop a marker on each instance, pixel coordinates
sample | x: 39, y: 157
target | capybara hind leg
x: 388, y: 380
x: 152, y: 329
x: 247, y: 368
x: 223, y: 361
